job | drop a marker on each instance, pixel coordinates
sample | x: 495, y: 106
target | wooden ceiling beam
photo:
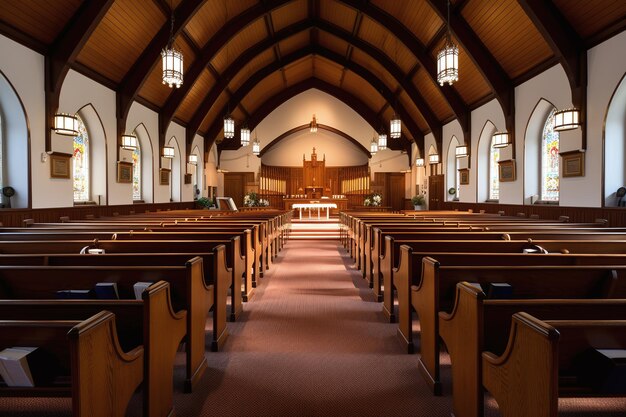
x: 214, y: 45
x: 63, y: 52
x: 489, y: 67
x: 135, y: 77
x: 216, y: 125
x: 399, y: 30
x: 566, y: 46
x: 431, y: 119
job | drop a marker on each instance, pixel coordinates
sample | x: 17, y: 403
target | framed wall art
x: 573, y: 163
x: 164, y: 176
x: 506, y: 170
x: 464, y: 176
x: 124, y: 172
x: 60, y: 165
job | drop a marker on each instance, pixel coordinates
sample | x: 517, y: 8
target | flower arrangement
x: 373, y: 200
x: 252, y: 200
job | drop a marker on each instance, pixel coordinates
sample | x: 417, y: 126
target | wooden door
x: 234, y: 187
x: 396, y: 192
x: 435, y: 192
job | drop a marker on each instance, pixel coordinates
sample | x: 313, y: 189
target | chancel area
x: 312, y: 208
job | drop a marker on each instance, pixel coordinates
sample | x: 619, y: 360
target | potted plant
x: 204, y: 203
x: 418, y: 202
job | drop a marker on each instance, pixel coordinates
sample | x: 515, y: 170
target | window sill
x: 546, y: 203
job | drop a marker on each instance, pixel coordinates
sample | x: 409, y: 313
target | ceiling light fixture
x: 382, y: 140
x: 433, y: 158
x: 419, y: 162
x: 245, y: 136
x: 448, y: 59
x: 229, y: 127
x: 172, y: 60
x: 395, y: 127
x: 313, y: 125
x: 373, y: 147
x: 193, y: 159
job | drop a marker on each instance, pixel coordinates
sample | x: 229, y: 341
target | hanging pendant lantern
x: 373, y: 147
x: 395, y: 127
x: 244, y: 133
x: 172, y: 60
x: 448, y: 59
x: 382, y: 140
x: 229, y: 127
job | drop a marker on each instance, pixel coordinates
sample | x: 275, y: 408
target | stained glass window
x: 494, y: 179
x: 137, y: 173
x: 81, y: 164
x: 550, y: 161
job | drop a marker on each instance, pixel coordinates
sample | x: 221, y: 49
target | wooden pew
x: 102, y: 376
x: 436, y: 293
x: 188, y: 292
x: 233, y: 254
x: 528, y: 371
x: 476, y: 324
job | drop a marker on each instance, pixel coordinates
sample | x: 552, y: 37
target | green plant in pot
x: 204, y: 202
x: 418, y: 202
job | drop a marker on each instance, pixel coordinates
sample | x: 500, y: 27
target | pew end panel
x: 164, y: 331
x: 530, y: 341
x: 222, y: 274
x: 94, y: 365
x: 425, y: 300
x: 402, y: 278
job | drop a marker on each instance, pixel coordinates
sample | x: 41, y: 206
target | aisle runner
x: 312, y: 342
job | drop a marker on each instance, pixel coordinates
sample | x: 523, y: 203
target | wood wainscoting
x: 16, y: 217
x: 616, y: 216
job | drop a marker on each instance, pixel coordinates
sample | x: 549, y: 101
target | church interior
x: 333, y: 207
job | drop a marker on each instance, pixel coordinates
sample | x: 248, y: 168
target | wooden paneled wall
x: 16, y: 217
x: 276, y: 182
x: 616, y: 216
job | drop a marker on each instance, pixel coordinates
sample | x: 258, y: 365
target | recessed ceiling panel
x: 196, y: 95
x: 339, y: 14
x: 293, y: 12
x: 248, y: 37
x: 43, y: 20
x: 384, y: 40
x: 295, y: 42
x: 508, y: 33
x: 327, y: 70
x: 417, y: 16
x: 121, y: 37
x: 300, y: 70
x: 333, y: 43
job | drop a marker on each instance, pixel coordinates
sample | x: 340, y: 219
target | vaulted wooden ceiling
x: 249, y: 56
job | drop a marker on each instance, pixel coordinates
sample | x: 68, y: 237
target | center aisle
x: 312, y: 342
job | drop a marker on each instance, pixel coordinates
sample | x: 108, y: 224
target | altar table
x: 317, y: 206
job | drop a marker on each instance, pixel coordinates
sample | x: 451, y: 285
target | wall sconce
x: 129, y: 142
x: 419, y: 162
x: 168, y: 152
x: 65, y: 124
x: 433, y: 158
x: 501, y: 140
x: 461, y: 151
x: 566, y: 119
x: 313, y: 125
x: 193, y: 159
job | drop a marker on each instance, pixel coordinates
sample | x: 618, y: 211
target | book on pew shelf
x: 74, y: 294
x: 497, y: 290
x: 15, y: 369
x: 106, y: 291
x: 604, y: 370
x: 139, y: 288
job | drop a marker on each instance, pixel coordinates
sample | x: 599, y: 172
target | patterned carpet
x: 311, y: 342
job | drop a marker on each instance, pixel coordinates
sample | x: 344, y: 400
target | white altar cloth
x: 317, y: 206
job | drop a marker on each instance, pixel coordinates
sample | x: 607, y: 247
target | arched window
x: 549, y: 161
x: 81, y: 164
x: 137, y: 173
x: 494, y: 179
x: 457, y: 176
